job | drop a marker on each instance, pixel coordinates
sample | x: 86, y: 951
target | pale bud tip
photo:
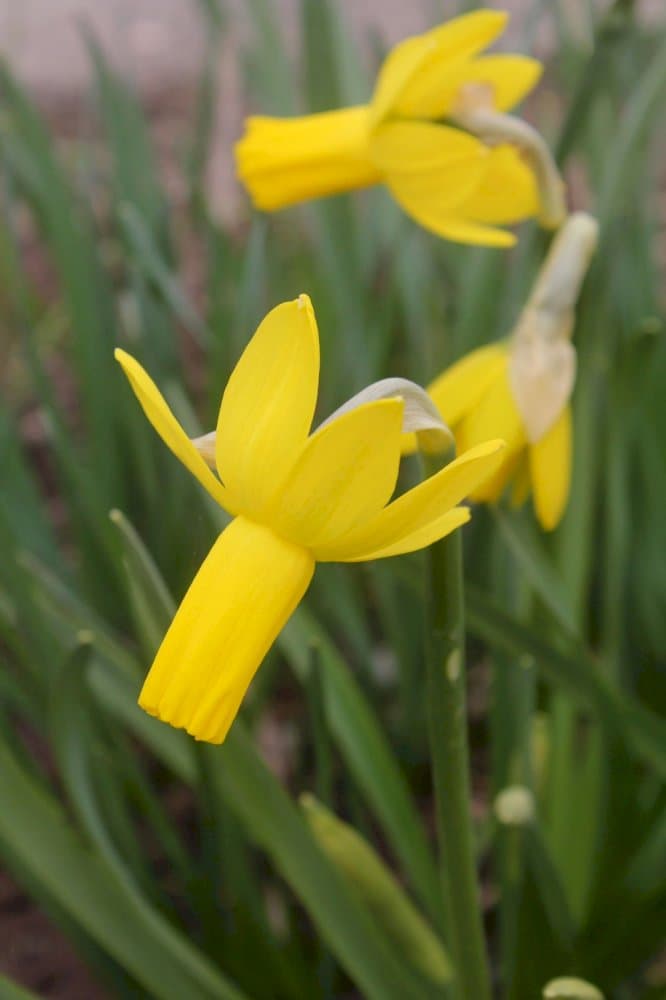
x: 571, y: 988
x: 514, y: 806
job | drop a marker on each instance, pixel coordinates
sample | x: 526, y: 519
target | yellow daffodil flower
x: 519, y: 389
x: 436, y: 132
x: 296, y: 498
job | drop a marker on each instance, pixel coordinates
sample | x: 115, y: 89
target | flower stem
x: 447, y: 725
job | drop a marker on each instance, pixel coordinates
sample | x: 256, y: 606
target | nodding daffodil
x: 520, y: 389
x: 436, y: 132
x: 297, y: 497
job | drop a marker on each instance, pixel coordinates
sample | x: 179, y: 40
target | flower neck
x: 542, y: 361
x: 474, y: 111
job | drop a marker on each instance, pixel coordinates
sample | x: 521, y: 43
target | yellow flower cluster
x: 519, y: 389
x: 436, y: 132
x: 296, y: 497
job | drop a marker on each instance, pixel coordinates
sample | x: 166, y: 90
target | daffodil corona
x: 436, y: 132
x: 520, y: 389
x: 296, y: 498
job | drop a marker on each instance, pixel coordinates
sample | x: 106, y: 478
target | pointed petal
x: 450, y: 182
x: 413, y: 70
x: 507, y: 193
x: 419, y: 150
x: 511, y: 77
x: 494, y: 415
x: 160, y: 416
x: 508, y: 79
x: 550, y: 471
x: 422, y: 537
x: 429, y: 169
x: 419, y: 507
x: 268, y: 405
x: 459, y: 389
x: 460, y: 230
x: 246, y: 589
x: 345, y: 475
x: 282, y: 161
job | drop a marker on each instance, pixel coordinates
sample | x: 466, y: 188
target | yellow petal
x: 345, y: 475
x: 422, y: 537
x: 160, y: 416
x: 495, y: 415
x: 247, y: 588
x: 459, y: 230
x: 550, y: 471
x: 441, y: 193
x: 419, y: 508
x: 413, y: 70
x: 420, y: 150
x: 511, y: 77
x: 429, y: 169
x: 506, y: 193
x: 458, y: 390
x: 282, y: 161
x: 505, y: 78
x: 268, y: 405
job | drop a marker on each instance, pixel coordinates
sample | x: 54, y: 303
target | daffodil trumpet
x: 520, y: 389
x: 296, y: 498
x: 436, y: 132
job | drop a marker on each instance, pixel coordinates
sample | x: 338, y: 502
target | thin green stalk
x: 512, y: 714
x: 447, y: 725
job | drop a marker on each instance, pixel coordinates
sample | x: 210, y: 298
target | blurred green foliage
x: 181, y: 870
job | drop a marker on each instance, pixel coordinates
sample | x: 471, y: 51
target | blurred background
x: 159, y: 45
x: 140, y: 103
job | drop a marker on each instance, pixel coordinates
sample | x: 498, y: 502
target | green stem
x: 447, y: 724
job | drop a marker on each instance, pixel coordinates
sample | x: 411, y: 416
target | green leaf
x: 643, y: 109
x: 370, y: 879
x: 255, y: 796
x: 643, y: 732
x: 527, y: 547
x: 357, y: 732
x: 152, y: 603
x: 352, y: 723
x: 134, y: 176
x: 67, y: 229
x: 36, y: 832
x: 244, y: 783
x: 276, y: 825
x: 10, y: 990
x: 156, y: 268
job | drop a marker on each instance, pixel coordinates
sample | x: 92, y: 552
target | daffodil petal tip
x: 122, y: 357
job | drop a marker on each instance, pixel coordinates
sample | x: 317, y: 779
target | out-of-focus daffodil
x: 519, y: 389
x: 436, y: 132
x: 296, y: 498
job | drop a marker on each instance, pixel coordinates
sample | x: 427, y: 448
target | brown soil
x: 35, y: 954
